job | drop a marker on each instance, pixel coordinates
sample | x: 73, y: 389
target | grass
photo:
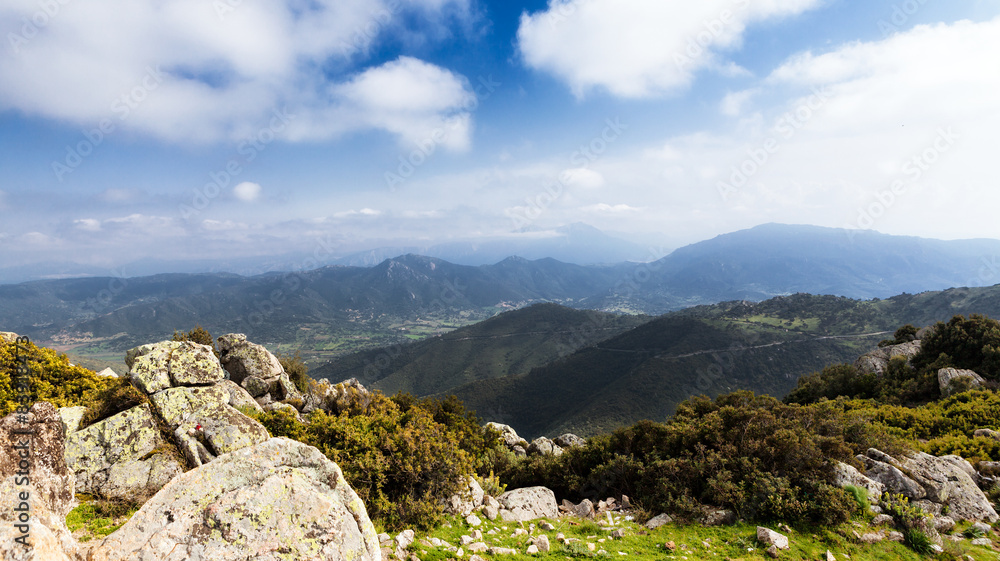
x: 733, y: 543
x: 97, y: 518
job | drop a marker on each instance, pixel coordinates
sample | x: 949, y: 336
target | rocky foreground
x: 217, y: 487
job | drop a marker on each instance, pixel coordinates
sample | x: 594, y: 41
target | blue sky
x: 242, y: 128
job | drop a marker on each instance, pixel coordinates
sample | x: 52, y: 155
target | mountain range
x: 335, y: 310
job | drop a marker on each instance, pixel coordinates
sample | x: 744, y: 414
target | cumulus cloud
x: 186, y: 70
x: 640, y: 48
x: 247, y: 191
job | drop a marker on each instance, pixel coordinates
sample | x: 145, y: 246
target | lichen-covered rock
x: 987, y: 433
x: 507, y: 434
x: 947, y: 375
x: 877, y: 361
x: 569, y: 440
x: 767, y: 536
x: 120, y: 445
x: 945, y: 480
x: 49, y: 488
x: 542, y: 446
x: 176, y: 405
x: 528, y: 503
x: 204, y: 424
x: 242, y: 358
x: 844, y: 475
x: 71, y: 417
x: 469, y: 498
x: 255, y: 386
x: 136, y: 352
x: 278, y: 500
x: 174, y: 363
x: 238, y: 397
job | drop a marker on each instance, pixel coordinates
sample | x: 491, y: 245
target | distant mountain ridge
x: 371, y: 306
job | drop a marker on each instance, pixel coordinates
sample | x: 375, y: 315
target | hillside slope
x: 510, y: 344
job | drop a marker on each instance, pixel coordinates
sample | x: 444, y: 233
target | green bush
x: 119, y: 396
x: 296, y: 369
x: 401, y: 455
x: 972, y: 344
x: 753, y: 454
x: 52, y: 378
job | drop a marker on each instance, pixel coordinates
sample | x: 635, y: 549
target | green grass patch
x: 97, y: 518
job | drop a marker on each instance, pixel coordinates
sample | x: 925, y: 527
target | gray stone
x: 542, y: 446
x: 491, y: 507
x: 542, y: 543
x: 719, y: 518
x: 256, y: 386
x: 844, y: 475
x: 529, y: 503
x: 658, y: 521
x: 238, y: 397
x: 114, y: 458
x: 279, y: 500
x: 584, y: 510
x: 468, y: 499
x: 507, y: 434
x: 71, y: 417
x: 50, y: 487
x: 947, y: 375
x: 944, y: 524
x: 767, y: 536
x: 987, y: 433
x: 242, y: 358
x: 883, y: 520
x: 174, y: 363
x: 569, y: 440
x: 877, y: 361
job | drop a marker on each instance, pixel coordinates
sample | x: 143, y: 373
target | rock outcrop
x: 944, y: 480
x: 528, y: 503
x: 33, y: 520
x: 946, y: 376
x: 117, y: 458
x: 255, y: 369
x: 877, y: 361
x: 279, y: 499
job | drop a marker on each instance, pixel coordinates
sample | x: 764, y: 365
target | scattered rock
x: 877, y: 361
x: 767, y: 536
x: 871, y: 538
x: 542, y: 543
x: 719, y: 518
x: 584, y: 510
x: 491, y: 507
x: 216, y: 512
x: 772, y: 552
x: 469, y: 498
x: 502, y: 551
x: 829, y: 556
x: 473, y: 520
x: 507, y: 434
x: 658, y: 521
x: 883, y: 520
x: 985, y: 542
x: 528, y: 503
x: 944, y: 524
x: 532, y: 550
x: 405, y: 539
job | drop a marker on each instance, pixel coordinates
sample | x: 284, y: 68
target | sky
x: 165, y: 130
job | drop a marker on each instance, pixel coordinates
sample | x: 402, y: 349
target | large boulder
x: 944, y: 480
x: 528, y: 503
x: 844, y: 475
x: 542, y: 446
x: 948, y: 375
x: 569, y: 440
x: 204, y: 424
x: 280, y: 499
x: 117, y: 458
x: 877, y: 361
x: 242, y: 358
x: 469, y: 498
x: 8, y: 336
x: 239, y: 397
x: 33, y: 518
x: 508, y: 435
x: 174, y: 363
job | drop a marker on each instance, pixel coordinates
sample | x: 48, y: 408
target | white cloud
x: 732, y: 105
x: 604, y: 208
x: 582, y: 177
x: 247, y: 191
x: 88, y: 224
x: 640, y: 48
x: 368, y: 212
x: 184, y: 71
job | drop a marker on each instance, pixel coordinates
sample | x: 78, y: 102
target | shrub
x: 972, y: 343
x: 401, y: 455
x: 120, y: 396
x: 53, y: 379
x: 753, y: 454
x: 197, y: 335
x: 296, y: 370
x: 860, y: 496
x: 918, y: 541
